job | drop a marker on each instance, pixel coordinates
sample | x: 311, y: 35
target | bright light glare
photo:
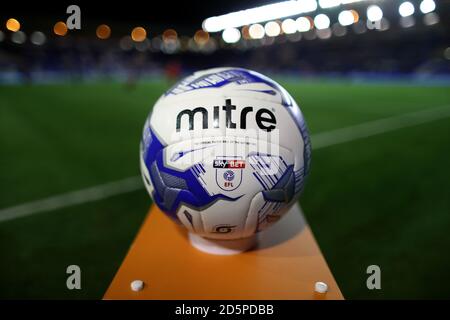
x: 303, y: 24
x: 13, y: 25
x: 355, y: 16
x: 201, y: 37
x: 60, y: 28
x: 427, y: 6
x: 329, y: 3
x: 139, y: 34
x: 289, y: 26
x: 272, y: 29
x: 260, y: 14
x: 256, y: 31
x: 231, y: 35
x: 321, y: 21
x: 374, y: 13
x: 350, y: 1
x: 103, y: 31
x: 324, y: 4
x: 406, y: 9
x: 346, y: 18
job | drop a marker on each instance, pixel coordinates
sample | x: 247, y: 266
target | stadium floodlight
x: 256, y: 31
x: 303, y: 24
x: 374, y: 13
x: 324, y: 33
x: 289, y: 26
x: 37, y: 38
x: 19, y: 37
x: 427, y: 6
x: 60, y: 28
x: 447, y: 53
x: 103, y: 31
x: 13, y: 25
x: 430, y: 19
x: 231, y: 35
x: 325, y: 4
x: 321, y: 21
x: 339, y: 30
x: 260, y: 14
x: 139, y: 34
x: 346, y: 18
x: 406, y: 9
x: 407, y: 22
x: 126, y: 43
x: 170, y: 35
x: 201, y: 37
x: 272, y: 29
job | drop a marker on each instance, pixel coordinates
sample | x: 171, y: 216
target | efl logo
x: 228, y: 172
x: 229, y: 164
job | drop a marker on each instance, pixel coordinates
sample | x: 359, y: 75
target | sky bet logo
x: 265, y: 119
x: 229, y: 164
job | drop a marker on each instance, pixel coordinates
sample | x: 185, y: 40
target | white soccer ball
x: 225, y: 152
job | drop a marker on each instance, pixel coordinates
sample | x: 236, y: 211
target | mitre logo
x: 264, y: 118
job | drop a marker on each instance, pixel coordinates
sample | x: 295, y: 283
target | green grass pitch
x: 380, y: 200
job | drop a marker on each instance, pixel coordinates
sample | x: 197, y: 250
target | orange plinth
x: 285, y: 265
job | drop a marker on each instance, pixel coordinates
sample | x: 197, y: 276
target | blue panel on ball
x: 173, y: 188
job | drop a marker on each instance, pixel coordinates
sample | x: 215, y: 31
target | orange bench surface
x: 285, y: 265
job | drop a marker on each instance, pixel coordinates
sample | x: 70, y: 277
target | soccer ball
x: 225, y: 152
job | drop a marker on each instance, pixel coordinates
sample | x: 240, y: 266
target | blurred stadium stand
x: 412, y: 47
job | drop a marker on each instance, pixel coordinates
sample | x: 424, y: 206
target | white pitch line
x: 320, y: 140
x: 371, y: 128
x: 59, y: 201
